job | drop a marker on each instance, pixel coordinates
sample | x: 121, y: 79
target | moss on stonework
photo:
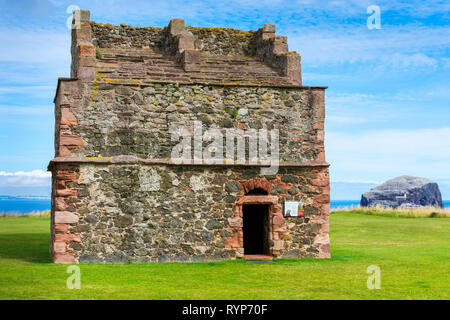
x: 98, y: 53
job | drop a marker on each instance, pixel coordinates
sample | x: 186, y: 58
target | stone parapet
x: 180, y: 43
x: 273, y: 50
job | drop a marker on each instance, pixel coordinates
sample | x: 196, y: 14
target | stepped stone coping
x: 117, y: 65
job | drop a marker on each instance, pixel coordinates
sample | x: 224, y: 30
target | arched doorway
x: 262, y: 225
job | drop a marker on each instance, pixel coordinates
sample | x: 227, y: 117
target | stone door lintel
x: 257, y: 199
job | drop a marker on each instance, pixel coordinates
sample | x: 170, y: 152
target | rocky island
x: 404, y: 191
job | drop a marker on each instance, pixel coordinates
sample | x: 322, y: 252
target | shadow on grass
x: 28, y: 247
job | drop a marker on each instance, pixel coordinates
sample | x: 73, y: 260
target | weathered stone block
x: 66, y: 258
x: 280, y: 45
x: 267, y: 27
x: 268, y: 31
x: 72, y: 140
x: 66, y: 192
x: 67, y: 117
x: 65, y: 217
x: 176, y: 26
x: 87, y: 62
x: 66, y: 175
x: 60, y: 204
x: 60, y: 247
x: 61, y: 228
x: 293, y: 68
x: 85, y: 15
x: 186, y: 41
x: 123, y: 221
x: 191, y: 59
x: 86, y: 49
x: 86, y: 73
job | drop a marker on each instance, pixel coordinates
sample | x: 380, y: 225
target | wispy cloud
x: 25, y: 89
x: 386, y: 153
x: 33, y: 173
x: 35, y: 46
x: 36, y: 178
x: 26, y: 111
x: 353, y: 108
x: 396, y: 47
x: 33, y: 58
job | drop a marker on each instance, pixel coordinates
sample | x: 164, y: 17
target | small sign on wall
x: 294, y: 209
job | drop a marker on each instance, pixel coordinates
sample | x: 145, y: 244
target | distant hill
x: 23, y: 197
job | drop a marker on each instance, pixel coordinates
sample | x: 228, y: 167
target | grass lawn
x: 413, y: 254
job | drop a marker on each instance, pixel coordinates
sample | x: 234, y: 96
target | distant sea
x: 13, y: 205
x: 334, y: 204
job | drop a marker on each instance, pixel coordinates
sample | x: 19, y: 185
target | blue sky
x: 387, y: 105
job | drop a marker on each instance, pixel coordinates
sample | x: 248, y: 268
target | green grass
x: 29, y: 214
x: 413, y: 254
x: 421, y: 212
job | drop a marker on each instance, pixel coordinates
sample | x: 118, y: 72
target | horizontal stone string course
x: 133, y: 160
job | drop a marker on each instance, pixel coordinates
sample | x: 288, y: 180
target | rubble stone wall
x: 131, y: 120
x: 130, y: 213
x: 224, y: 41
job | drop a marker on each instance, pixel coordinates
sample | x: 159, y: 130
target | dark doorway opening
x: 256, y: 191
x: 256, y: 228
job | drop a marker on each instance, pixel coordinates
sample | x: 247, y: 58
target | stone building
x: 119, y: 196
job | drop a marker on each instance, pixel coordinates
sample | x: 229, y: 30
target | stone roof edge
x: 136, y: 160
x: 59, y: 83
x: 194, y: 83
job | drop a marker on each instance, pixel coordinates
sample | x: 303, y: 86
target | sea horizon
x: 28, y: 204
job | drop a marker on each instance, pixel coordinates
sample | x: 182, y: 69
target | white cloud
x: 446, y: 62
x: 393, y: 47
x: 405, y: 61
x: 35, y: 178
x: 385, y: 154
x: 345, y: 119
x: 40, y: 46
x: 33, y: 57
x: 353, y: 108
x: 21, y: 110
x: 22, y: 89
x: 33, y: 173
